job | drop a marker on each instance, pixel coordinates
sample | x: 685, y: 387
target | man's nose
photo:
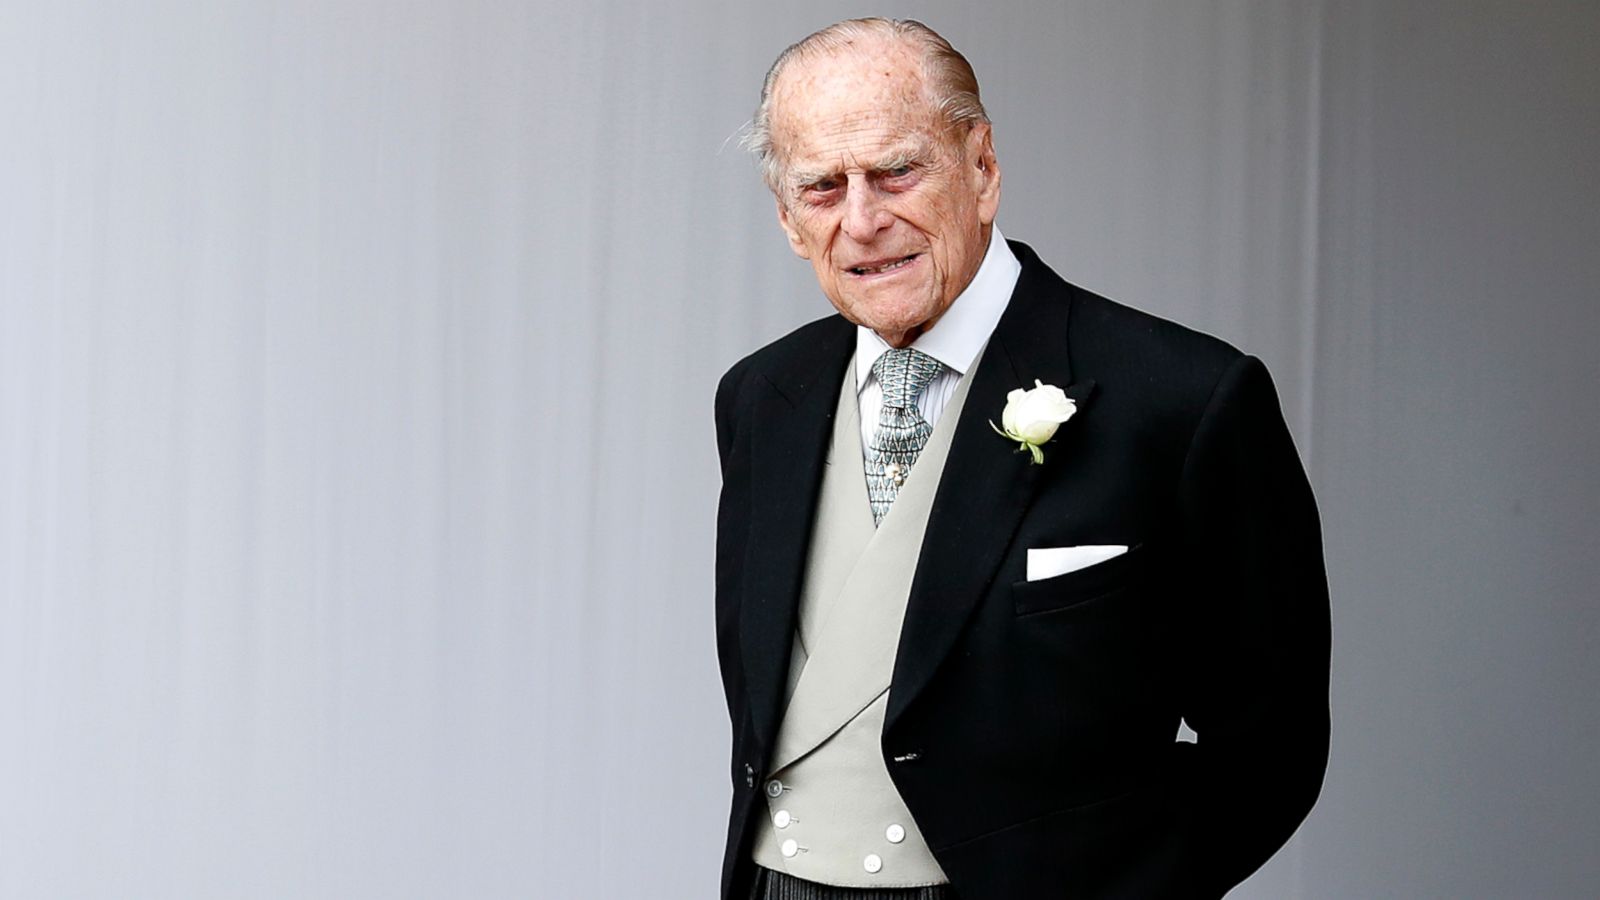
x: 864, y: 213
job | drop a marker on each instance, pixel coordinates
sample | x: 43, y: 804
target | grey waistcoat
x: 828, y: 791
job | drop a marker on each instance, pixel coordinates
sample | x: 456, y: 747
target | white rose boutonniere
x: 1031, y: 417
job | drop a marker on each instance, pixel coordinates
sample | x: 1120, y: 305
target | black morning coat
x: 1030, y: 727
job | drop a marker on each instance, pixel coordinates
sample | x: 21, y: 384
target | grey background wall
x: 356, y: 466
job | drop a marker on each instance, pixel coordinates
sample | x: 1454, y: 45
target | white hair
x: 946, y: 73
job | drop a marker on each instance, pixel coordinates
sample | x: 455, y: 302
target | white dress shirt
x: 954, y: 340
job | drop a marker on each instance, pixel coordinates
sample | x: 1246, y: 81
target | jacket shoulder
x: 1111, y: 336
x: 784, y: 360
x: 1118, y: 344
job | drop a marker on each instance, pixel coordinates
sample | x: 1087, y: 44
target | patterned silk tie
x: 902, y: 431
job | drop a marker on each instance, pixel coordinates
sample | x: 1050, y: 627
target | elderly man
x: 985, y: 539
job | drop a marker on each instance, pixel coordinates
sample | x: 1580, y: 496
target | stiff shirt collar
x: 965, y: 327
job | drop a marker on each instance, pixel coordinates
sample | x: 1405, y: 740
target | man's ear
x: 795, y: 243
x: 984, y: 171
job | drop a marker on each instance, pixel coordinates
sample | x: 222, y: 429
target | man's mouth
x: 879, y: 267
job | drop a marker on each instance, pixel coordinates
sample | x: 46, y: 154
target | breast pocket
x: 1079, y: 588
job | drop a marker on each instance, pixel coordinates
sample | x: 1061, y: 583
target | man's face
x: 890, y: 207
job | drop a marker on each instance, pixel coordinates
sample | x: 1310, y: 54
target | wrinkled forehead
x: 874, y: 91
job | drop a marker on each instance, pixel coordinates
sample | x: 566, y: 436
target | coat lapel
x: 987, y: 485
x: 793, y: 421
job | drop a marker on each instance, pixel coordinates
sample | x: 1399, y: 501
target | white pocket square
x: 1048, y: 562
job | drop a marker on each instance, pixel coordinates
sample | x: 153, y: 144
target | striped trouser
x: 771, y: 885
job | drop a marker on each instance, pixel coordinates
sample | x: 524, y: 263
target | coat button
x: 749, y: 776
x: 781, y: 818
x: 873, y: 863
x: 895, y: 834
x: 774, y: 789
x: 789, y: 848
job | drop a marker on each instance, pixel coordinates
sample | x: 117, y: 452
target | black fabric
x: 773, y: 885
x: 1030, y: 724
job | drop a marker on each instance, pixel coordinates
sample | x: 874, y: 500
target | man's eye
x: 823, y: 186
x: 899, y: 171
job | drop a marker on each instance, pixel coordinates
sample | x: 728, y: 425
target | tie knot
x: 903, y: 374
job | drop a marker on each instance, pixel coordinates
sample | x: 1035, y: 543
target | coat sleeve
x: 1256, y: 659
x: 732, y: 525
